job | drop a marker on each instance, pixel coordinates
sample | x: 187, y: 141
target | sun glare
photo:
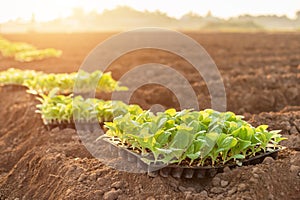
x: 45, y: 10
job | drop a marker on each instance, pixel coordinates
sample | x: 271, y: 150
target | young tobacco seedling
x: 196, y: 137
x: 42, y: 83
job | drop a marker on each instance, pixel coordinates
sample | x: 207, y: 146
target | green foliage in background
x: 41, y: 83
x: 68, y: 109
x: 24, y: 52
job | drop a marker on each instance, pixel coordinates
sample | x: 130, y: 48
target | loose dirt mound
x: 40, y: 164
x: 261, y: 77
x: 260, y: 70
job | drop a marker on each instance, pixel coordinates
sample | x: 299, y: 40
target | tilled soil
x: 261, y: 77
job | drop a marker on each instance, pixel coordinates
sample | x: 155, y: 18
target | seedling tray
x: 84, y: 126
x: 61, y: 126
x: 176, y: 171
x: 182, y: 171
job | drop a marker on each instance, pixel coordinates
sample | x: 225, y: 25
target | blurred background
x: 91, y: 16
x: 254, y: 43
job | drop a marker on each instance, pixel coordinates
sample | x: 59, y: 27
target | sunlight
x: 45, y: 10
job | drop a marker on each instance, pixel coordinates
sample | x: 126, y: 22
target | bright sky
x: 49, y: 9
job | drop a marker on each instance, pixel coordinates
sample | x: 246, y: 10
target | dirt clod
x: 191, y: 189
x: 242, y: 187
x: 118, y: 184
x: 232, y: 191
x: 189, y: 196
x: 182, y: 189
x: 253, y: 180
x: 293, y: 130
x: 216, y: 190
x: 271, y: 197
x: 174, y: 185
x: 295, y: 169
x: 82, y: 177
x: 224, y: 183
x: 111, y: 195
x: 93, y: 177
x: 227, y: 170
x: 204, y: 193
x: 216, y: 181
x: 268, y: 160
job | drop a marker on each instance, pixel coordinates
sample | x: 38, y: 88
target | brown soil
x: 261, y: 76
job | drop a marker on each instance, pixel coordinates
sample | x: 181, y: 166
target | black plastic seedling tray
x: 176, y: 171
x: 84, y: 126
x: 182, y: 171
x: 59, y: 125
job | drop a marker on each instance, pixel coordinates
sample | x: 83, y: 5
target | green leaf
x: 171, y: 112
x: 237, y: 156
